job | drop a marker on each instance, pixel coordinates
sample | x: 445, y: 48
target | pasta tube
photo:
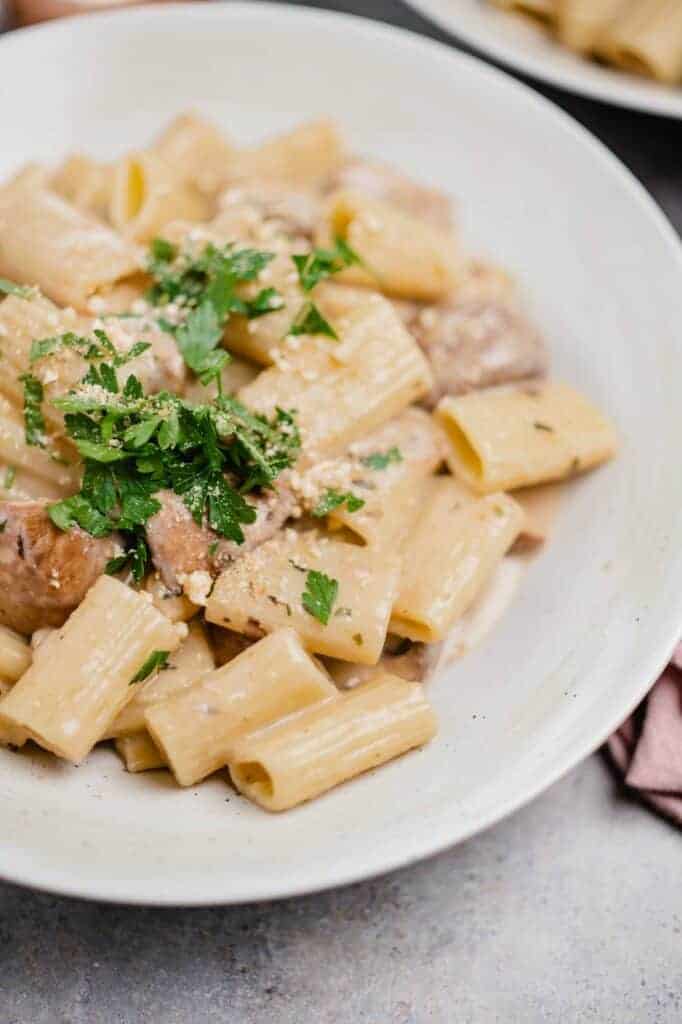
x: 450, y: 556
x: 197, y: 150
x: 139, y: 752
x: 186, y: 665
x: 46, y: 242
x: 82, y: 673
x: 503, y: 438
x: 343, y: 392
x: 147, y: 194
x: 387, y: 471
x: 15, y: 655
x: 309, y: 753
x: 266, y: 589
x: 647, y: 39
x: 401, y: 254
x: 580, y: 23
x: 195, y: 730
x: 306, y: 156
x: 85, y: 183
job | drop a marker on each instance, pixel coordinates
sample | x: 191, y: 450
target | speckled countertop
x: 570, y: 911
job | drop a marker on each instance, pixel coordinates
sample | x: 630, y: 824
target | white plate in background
x: 596, y: 615
x: 526, y: 46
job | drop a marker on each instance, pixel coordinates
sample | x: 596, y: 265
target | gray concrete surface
x: 570, y: 911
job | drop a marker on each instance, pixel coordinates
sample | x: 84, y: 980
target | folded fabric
x: 647, y: 749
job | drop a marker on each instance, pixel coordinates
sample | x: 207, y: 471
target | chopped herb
x: 309, y: 320
x: 543, y: 426
x: 22, y: 291
x: 212, y: 548
x: 34, y: 422
x: 334, y: 499
x: 381, y: 460
x: 315, y: 266
x: 198, y: 340
x: 296, y: 566
x: 267, y: 301
x: 115, y: 565
x: 135, y: 445
x: 86, y: 347
x: 154, y: 663
x: 358, y: 639
x: 206, y: 285
x: 343, y: 612
x: 163, y: 251
x: 10, y: 476
x: 319, y: 595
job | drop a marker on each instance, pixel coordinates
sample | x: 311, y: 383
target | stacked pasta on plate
x: 258, y: 421
x: 641, y: 36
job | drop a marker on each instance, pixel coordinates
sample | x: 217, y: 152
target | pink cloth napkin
x: 647, y: 748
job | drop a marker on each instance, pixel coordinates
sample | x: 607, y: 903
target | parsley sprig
x: 156, y: 661
x: 382, y: 460
x: 312, y: 268
x: 206, y: 284
x: 319, y: 264
x: 135, y: 445
x: 319, y: 595
x: 333, y: 498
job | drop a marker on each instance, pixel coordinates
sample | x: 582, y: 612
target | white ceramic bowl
x: 519, y: 43
x: 597, y: 614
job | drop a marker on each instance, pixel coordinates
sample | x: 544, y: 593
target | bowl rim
x: 16, y: 868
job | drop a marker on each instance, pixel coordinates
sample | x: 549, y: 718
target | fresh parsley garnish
x: 309, y: 320
x: 154, y: 663
x: 10, y: 475
x: 206, y: 285
x: 91, y: 350
x: 319, y: 264
x: 381, y: 460
x: 332, y: 499
x: 135, y: 445
x: 22, y: 291
x: 34, y: 421
x: 319, y: 595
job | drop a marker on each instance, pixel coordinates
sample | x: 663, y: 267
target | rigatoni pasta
x: 640, y: 36
x: 374, y: 372
x: 85, y: 672
x: 233, y: 534
x: 451, y: 554
x: 310, y: 752
x: 196, y: 730
x: 47, y: 242
x: 504, y: 438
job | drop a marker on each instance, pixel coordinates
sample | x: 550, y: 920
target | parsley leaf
x: 34, y: 422
x: 206, y: 285
x: 136, y: 445
x: 309, y: 320
x: 332, y: 499
x: 10, y: 475
x: 198, y: 339
x: 267, y: 301
x: 319, y: 595
x: 381, y: 460
x: 154, y: 663
x: 11, y: 288
x: 319, y: 264
x: 78, y: 511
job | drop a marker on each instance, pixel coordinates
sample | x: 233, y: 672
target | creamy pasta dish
x: 267, y: 435
x: 640, y: 36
